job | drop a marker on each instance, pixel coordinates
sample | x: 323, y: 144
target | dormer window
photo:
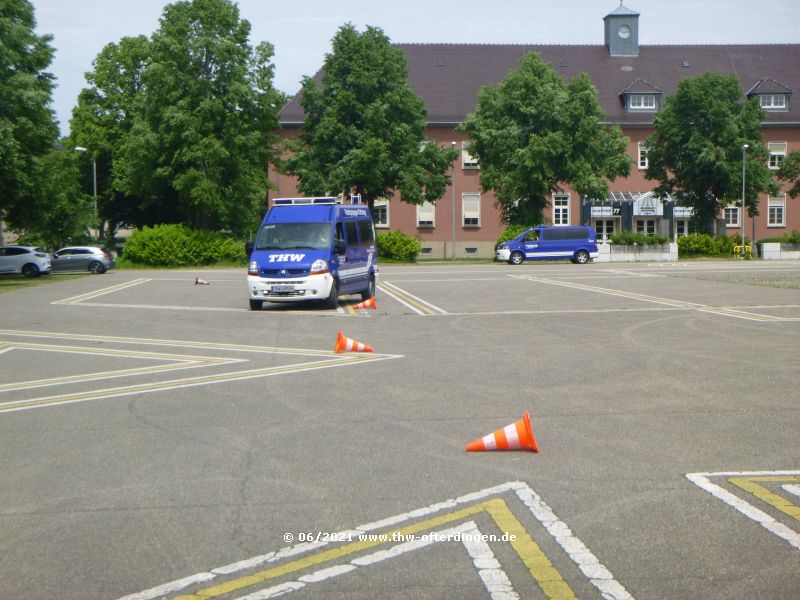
x: 641, y: 96
x: 772, y: 101
x: 642, y: 102
x: 773, y: 96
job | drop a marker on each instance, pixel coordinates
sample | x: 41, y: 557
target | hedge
x: 179, y: 246
x: 398, y: 246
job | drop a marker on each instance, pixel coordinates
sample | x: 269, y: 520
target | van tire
x: 516, y: 258
x: 333, y: 297
x: 581, y: 257
x: 256, y: 304
x: 370, y: 291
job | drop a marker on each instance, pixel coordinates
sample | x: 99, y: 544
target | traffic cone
x: 345, y: 344
x: 516, y: 436
x: 198, y: 281
x: 366, y: 304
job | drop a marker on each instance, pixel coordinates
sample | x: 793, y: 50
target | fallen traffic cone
x: 345, y: 344
x: 516, y: 436
x: 198, y: 281
x: 366, y: 304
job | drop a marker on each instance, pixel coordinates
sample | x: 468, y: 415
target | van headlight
x: 253, y: 268
x: 319, y: 267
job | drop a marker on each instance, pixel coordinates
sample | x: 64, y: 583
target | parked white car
x: 31, y: 261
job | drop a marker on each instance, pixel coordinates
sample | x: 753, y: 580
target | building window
x: 772, y: 101
x: 642, y: 157
x: 604, y: 228
x: 561, y: 209
x: 732, y: 216
x: 426, y: 215
x: 380, y: 213
x: 681, y: 227
x: 777, y: 210
x: 642, y: 102
x: 471, y: 210
x: 467, y: 160
x: 646, y: 226
x: 777, y: 154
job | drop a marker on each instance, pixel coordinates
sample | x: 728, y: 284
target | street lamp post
x: 744, y: 158
x: 94, y: 187
x: 453, y: 186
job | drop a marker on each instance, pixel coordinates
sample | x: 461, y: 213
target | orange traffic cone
x: 345, y: 344
x: 516, y: 436
x: 366, y: 303
x: 198, y: 281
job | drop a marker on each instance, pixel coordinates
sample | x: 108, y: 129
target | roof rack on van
x: 315, y: 200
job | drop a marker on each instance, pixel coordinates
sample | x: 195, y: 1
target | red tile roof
x: 447, y: 77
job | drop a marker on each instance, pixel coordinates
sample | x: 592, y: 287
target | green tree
x: 103, y: 117
x: 533, y: 132
x: 67, y: 212
x: 28, y: 127
x: 364, y: 128
x: 199, y: 145
x: 790, y: 171
x: 695, y: 152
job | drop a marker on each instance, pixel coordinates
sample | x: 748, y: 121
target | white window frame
x: 777, y: 154
x: 470, y: 209
x: 681, y: 228
x: 385, y: 203
x: 561, y: 212
x: 426, y: 209
x: 642, y: 158
x: 467, y: 160
x: 772, y: 101
x: 645, y: 226
x: 731, y: 215
x: 776, y: 210
x: 642, y: 102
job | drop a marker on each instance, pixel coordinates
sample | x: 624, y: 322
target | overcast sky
x: 301, y: 30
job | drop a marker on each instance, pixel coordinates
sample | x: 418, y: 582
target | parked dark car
x: 31, y: 261
x: 83, y: 258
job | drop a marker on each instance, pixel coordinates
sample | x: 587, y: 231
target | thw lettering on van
x: 286, y: 257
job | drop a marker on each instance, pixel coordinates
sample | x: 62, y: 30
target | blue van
x: 577, y: 243
x: 313, y: 249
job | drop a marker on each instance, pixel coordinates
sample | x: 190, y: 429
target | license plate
x: 277, y: 289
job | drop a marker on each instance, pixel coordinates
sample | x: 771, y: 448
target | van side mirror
x: 338, y: 247
x: 248, y: 248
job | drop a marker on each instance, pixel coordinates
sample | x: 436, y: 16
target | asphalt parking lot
x: 161, y: 440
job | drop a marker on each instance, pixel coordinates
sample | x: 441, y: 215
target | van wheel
x: 581, y: 257
x: 256, y: 304
x: 370, y: 291
x: 516, y: 258
x: 333, y: 297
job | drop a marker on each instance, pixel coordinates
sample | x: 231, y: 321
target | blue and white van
x: 313, y: 249
x: 576, y: 243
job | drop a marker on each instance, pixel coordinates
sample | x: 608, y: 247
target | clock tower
x: 622, y: 32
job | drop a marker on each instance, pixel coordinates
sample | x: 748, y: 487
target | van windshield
x: 294, y: 236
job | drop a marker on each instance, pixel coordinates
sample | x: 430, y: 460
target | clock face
x: 624, y: 32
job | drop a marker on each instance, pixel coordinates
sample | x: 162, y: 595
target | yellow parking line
x: 542, y: 570
x: 782, y: 504
x: 186, y: 382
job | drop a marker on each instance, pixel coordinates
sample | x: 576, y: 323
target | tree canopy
x: 534, y: 132
x: 695, y: 152
x: 364, y: 128
x: 184, y: 123
x: 28, y: 128
x: 790, y: 171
